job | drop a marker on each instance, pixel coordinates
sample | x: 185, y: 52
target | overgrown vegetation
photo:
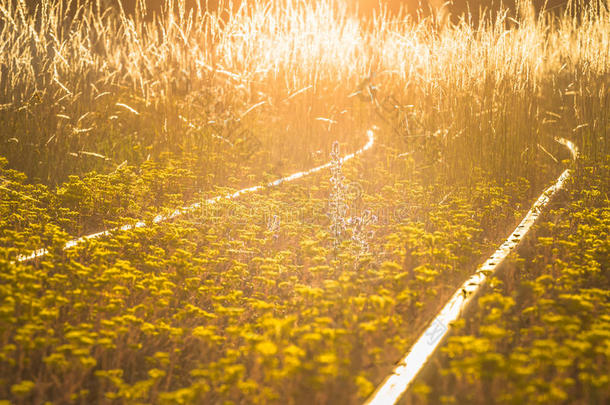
x: 107, y: 119
x: 541, y: 332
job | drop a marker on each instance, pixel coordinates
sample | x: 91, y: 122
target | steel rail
x: 198, y: 205
x: 398, y: 382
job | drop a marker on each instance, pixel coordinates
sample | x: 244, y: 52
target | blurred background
x: 364, y: 8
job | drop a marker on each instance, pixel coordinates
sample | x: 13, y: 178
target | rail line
x: 193, y: 207
x: 398, y: 382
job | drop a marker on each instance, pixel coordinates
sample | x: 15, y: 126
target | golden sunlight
x: 304, y: 201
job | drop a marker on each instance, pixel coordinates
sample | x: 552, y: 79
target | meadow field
x: 228, y: 271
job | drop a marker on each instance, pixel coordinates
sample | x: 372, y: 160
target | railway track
x: 400, y: 380
x: 198, y: 205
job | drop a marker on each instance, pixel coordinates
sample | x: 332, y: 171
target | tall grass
x: 254, y: 93
x: 491, y: 92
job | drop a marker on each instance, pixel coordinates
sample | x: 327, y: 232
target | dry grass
x: 252, y: 94
x: 503, y: 85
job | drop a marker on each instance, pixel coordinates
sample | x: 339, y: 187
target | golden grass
x: 63, y: 77
x: 104, y: 89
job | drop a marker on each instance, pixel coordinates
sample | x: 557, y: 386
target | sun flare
x: 304, y: 201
